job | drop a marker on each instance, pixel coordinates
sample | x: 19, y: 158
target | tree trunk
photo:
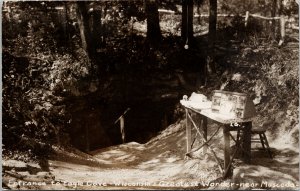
x: 198, y: 12
x: 281, y: 23
x: 199, y: 4
x: 210, y: 65
x: 187, y: 21
x: 212, y: 21
x: 273, y: 14
x: 153, y: 28
x: 85, y: 32
x: 96, y: 28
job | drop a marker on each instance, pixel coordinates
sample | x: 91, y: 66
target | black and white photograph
x: 150, y: 95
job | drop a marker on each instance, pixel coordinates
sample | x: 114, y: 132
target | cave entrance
x: 93, y: 125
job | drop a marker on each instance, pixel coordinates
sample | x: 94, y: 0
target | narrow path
x: 160, y: 164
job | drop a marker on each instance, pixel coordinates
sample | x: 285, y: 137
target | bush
x: 38, y: 75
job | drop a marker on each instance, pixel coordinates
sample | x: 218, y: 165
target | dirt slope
x: 160, y: 164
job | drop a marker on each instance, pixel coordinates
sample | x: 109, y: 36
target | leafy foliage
x: 37, y: 74
x: 270, y: 76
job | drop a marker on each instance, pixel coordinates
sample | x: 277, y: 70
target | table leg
x: 226, y: 135
x: 204, y: 128
x: 247, y: 142
x: 188, y: 132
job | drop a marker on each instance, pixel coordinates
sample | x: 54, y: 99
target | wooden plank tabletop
x: 221, y: 118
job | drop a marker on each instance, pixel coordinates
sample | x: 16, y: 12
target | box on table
x: 236, y: 105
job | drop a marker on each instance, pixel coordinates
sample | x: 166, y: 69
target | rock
x: 24, y: 173
x: 237, y: 77
x: 33, y: 165
x: 14, y: 164
x: 257, y: 100
x: 15, y: 174
x: 45, y: 175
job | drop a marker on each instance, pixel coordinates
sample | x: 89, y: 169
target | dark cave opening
x: 93, y: 126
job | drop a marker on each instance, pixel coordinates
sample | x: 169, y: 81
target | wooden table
x: 226, y: 122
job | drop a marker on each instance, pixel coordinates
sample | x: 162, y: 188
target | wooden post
x: 188, y: 132
x: 122, y: 124
x: 204, y: 127
x: 282, y: 30
x: 281, y: 22
x: 187, y: 21
x: 247, y: 142
x: 122, y: 128
x: 246, y: 18
x: 226, y: 135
